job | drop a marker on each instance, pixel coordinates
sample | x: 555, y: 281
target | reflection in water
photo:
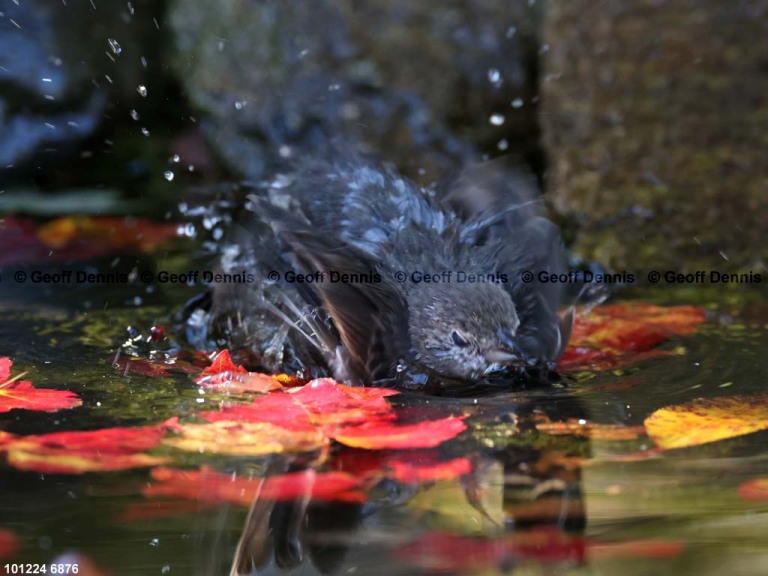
x: 517, y: 503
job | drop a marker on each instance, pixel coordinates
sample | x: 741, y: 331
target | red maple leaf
x: 76, y: 452
x: 16, y: 393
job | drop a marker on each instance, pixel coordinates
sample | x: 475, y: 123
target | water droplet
x: 142, y: 90
x: 166, y: 568
x: 190, y: 168
x: 175, y: 158
x: 502, y: 144
x: 143, y: 61
x: 400, y: 368
x: 134, y: 114
x: 154, y: 542
x: 239, y: 104
x: 494, y: 77
x: 497, y: 119
x: 517, y: 103
x: 218, y: 234
x: 544, y: 49
x: 511, y: 31
x: 130, y: 8
x: 113, y: 44
x: 334, y: 87
x: 168, y: 175
x: 145, y: 131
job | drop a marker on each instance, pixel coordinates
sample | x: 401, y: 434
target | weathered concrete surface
x: 655, y: 117
x: 415, y: 82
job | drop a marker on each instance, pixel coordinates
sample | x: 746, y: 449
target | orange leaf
x: 245, y: 438
x: 222, y: 363
x: 385, y: 435
x: 84, y: 451
x: 110, y: 232
x: 223, y: 373
x: 754, y: 490
x: 707, y: 420
x: 410, y: 472
x: 206, y: 485
x: 15, y: 393
x: 329, y: 403
x: 276, y: 408
x: 611, y: 336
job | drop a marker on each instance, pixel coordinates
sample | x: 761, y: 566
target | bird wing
x: 370, y: 317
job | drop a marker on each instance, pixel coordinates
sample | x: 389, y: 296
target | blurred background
x: 645, y: 122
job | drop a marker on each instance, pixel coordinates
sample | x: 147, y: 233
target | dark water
x: 524, y: 509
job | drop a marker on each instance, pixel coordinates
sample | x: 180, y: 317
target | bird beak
x: 507, y: 351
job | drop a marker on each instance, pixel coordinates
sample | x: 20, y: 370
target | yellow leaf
x: 707, y: 420
x: 245, y: 438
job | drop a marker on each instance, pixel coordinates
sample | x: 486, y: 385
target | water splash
x: 114, y: 46
x: 497, y: 119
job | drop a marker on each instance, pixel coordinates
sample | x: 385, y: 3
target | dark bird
x: 360, y: 273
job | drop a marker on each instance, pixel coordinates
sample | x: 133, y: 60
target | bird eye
x: 458, y: 340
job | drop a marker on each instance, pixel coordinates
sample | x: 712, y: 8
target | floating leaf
x: 15, y: 393
x: 329, y: 403
x: 245, y: 438
x: 754, y: 490
x: 611, y: 336
x: 276, y: 408
x: 386, y: 435
x: 222, y: 364
x: 206, y: 485
x: 9, y: 543
x: 77, y: 452
x: 225, y: 374
x: 707, y: 420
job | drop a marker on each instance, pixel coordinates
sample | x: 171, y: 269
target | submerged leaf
x: 754, y: 490
x: 9, y: 543
x: 707, y: 420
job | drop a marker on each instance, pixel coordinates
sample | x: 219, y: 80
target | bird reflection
x: 514, y: 490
